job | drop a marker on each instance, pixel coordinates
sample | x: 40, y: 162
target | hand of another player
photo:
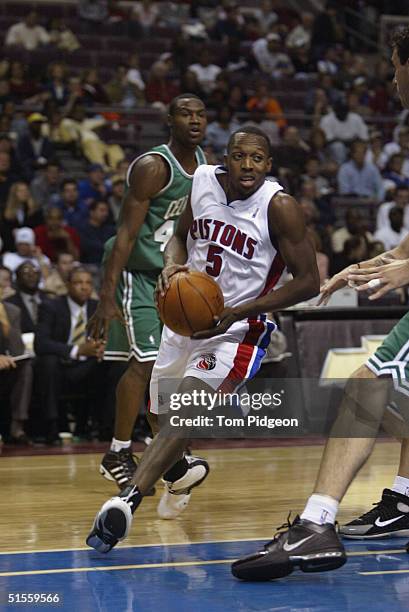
x: 338, y: 281
x: 392, y: 275
x: 163, y: 279
x: 222, y: 323
x: 92, y: 348
x: 7, y: 362
x: 98, y: 325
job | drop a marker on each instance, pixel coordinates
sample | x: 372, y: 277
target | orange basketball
x: 190, y: 303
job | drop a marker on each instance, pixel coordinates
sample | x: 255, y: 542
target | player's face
x: 188, y: 122
x: 401, y: 78
x: 248, y: 162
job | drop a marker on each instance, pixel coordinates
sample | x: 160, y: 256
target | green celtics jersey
x: 164, y: 210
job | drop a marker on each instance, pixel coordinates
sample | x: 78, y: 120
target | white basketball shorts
x: 221, y: 362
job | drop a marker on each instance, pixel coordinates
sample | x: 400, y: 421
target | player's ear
x: 269, y: 164
x: 169, y: 120
x: 225, y: 158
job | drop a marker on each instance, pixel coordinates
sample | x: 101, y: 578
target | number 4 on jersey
x: 164, y: 233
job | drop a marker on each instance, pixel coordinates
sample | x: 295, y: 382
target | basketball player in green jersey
x: 158, y: 185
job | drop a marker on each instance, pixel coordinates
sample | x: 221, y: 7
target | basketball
x: 190, y: 303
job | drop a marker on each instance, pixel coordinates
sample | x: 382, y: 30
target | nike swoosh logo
x: 289, y: 547
x: 380, y: 523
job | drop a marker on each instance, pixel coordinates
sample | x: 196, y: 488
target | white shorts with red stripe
x: 223, y: 362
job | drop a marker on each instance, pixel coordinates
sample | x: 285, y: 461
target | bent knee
x: 363, y: 372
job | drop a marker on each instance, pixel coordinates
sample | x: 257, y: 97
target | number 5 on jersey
x: 214, y: 257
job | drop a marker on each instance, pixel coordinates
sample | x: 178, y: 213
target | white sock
x: 118, y: 445
x: 401, y: 485
x: 320, y: 509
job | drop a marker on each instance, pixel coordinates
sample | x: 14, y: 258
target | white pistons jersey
x: 231, y: 242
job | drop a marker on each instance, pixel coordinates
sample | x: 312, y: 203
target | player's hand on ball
x: 222, y: 323
x: 381, y: 279
x: 163, y: 279
x: 98, y: 325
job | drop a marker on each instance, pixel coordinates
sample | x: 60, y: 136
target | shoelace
x: 128, y: 462
x: 132, y: 497
x: 372, y: 513
x: 281, y: 530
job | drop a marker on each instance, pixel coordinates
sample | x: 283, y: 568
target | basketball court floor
x: 48, y: 503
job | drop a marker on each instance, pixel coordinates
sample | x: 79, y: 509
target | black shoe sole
x: 115, y: 523
x: 321, y: 562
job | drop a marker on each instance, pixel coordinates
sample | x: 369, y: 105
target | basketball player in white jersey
x: 243, y: 231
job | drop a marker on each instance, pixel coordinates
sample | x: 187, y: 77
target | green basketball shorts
x: 392, y: 357
x: 140, y: 338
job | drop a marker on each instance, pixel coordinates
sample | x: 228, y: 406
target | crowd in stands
x: 72, y: 106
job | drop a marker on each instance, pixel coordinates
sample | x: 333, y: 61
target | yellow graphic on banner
x: 342, y: 362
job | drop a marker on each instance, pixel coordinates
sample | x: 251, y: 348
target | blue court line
x: 178, y: 578
x: 143, y: 557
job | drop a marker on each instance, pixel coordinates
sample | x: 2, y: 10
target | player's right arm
x: 175, y: 254
x: 148, y: 177
x: 393, y: 263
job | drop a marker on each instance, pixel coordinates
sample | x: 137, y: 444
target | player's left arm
x: 287, y: 228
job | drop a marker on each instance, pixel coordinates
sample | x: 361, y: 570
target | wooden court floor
x: 49, y: 502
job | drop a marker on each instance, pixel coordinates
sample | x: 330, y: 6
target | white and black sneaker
x: 113, y: 521
x: 388, y: 519
x: 120, y: 467
x: 303, y: 544
x: 186, y: 474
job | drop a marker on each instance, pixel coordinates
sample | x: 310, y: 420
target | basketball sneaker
x: 177, y: 493
x: 113, y: 521
x: 388, y: 518
x: 303, y: 544
x: 120, y: 467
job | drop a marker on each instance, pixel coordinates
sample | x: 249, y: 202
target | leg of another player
x: 389, y: 517
x: 130, y: 394
x: 118, y: 463
x: 404, y: 459
x: 361, y: 413
x: 311, y: 542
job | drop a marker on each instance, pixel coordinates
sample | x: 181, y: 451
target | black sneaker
x: 306, y: 545
x: 388, y: 518
x: 120, y: 468
x: 113, y: 521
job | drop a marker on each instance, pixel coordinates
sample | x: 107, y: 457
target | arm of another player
x: 175, y: 254
x: 286, y: 223
x: 360, y: 273
x: 148, y: 177
x: 390, y: 271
